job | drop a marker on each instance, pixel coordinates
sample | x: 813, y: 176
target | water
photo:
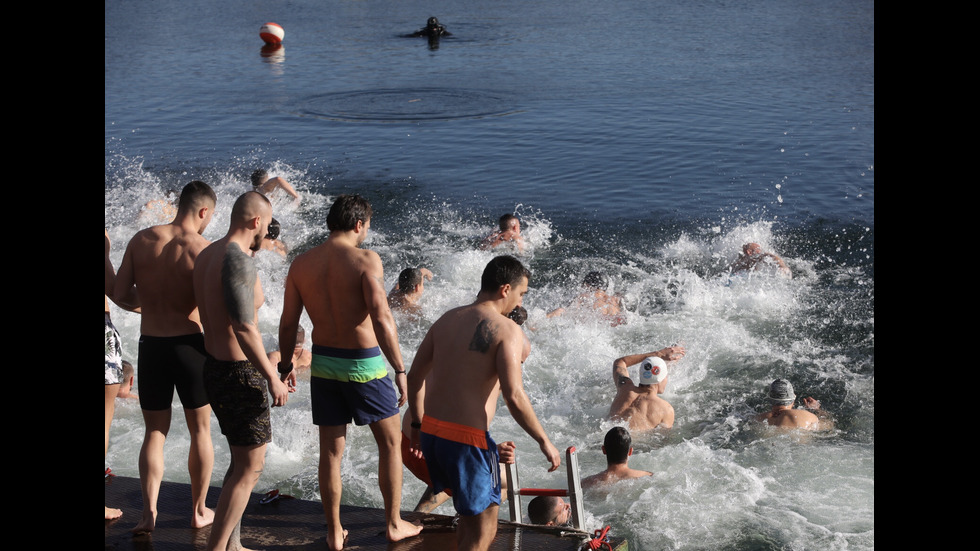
x: 648, y: 140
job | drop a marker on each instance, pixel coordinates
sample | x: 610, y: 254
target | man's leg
x: 429, y: 501
x: 200, y: 462
x: 387, y: 433
x: 246, y: 467
x: 110, y: 409
x: 151, y: 465
x: 333, y: 438
x: 477, y: 531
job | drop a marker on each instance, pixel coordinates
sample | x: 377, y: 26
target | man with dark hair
x: 237, y: 371
x: 266, y: 186
x: 474, y: 355
x: 782, y: 397
x: 158, y: 266
x: 617, y: 447
x: 407, y: 292
x: 640, y: 405
x: 341, y: 286
x: 509, y: 232
x: 549, y: 511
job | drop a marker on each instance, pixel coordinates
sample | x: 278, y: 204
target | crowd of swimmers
x: 199, y: 336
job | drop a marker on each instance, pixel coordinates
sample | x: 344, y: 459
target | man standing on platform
x: 237, y: 371
x: 159, y: 262
x: 473, y: 354
x: 342, y: 288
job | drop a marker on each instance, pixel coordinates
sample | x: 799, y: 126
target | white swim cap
x: 652, y: 371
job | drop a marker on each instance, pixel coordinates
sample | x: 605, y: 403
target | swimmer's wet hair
x: 542, y: 508
x: 259, y: 177
x: 617, y: 443
x: 501, y: 271
x: 274, y: 230
x: 595, y: 280
x: 346, y: 211
x: 505, y: 221
x: 518, y: 314
x: 408, y: 279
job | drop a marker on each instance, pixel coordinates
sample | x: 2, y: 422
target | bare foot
x: 145, y: 526
x: 335, y: 545
x: 112, y: 514
x: 202, y: 520
x: 403, y: 529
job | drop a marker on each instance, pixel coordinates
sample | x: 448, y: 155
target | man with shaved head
x: 237, y: 371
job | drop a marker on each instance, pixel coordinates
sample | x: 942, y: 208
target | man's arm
x: 826, y: 420
x: 421, y: 366
x: 372, y: 284
x: 512, y: 389
x: 281, y: 182
x: 292, y: 308
x: 121, y: 287
x: 240, y: 283
x: 621, y: 373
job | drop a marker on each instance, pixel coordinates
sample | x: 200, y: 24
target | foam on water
x: 718, y: 482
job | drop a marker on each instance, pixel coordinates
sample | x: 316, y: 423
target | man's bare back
x: 331, y: 281
x: 643, y: 409
x: 640, y: 405
x: 160, y: 262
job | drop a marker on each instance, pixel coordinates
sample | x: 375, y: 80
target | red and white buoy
x: 272, y: 33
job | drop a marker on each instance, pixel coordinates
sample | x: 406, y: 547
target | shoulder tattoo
x: 485, y: 334
x: 238, y: 275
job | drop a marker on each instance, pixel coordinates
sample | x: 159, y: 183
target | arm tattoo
x: 484, y: 335
x: 238, y: 275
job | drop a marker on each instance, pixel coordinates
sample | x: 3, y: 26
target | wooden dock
x: 299, y: 524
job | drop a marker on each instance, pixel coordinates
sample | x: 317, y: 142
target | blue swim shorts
x: 464, y: 460
x: 339, y: 393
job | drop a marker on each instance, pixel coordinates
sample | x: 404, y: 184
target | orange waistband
x: 454, y: 432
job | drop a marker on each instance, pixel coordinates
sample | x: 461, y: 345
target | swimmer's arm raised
x: 372, y: 285
x: 508, y: 363
x: 239, y: 284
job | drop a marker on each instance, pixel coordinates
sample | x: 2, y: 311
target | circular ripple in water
x: 400, y: 105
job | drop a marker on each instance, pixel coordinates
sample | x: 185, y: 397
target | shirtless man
x: 617, y: 447
x: 549, y: 511
x: 509, y: 232
x: 473, y: 354
x: 237, y: 370
x: 342, y: 288
x: 408, y: 291
x: 159, y: 262
x: 265, y: 185
x: 595, y: 298
x: 783, y: 415
x: 639, y: 404
x: 753, y: 258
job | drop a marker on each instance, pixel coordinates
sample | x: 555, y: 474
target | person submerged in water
x: 432, y: 29
x: 782, y: 415
x: 753, y: 258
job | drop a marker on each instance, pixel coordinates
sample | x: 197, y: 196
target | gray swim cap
x: 652, y: 371
x: 781, y: 393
